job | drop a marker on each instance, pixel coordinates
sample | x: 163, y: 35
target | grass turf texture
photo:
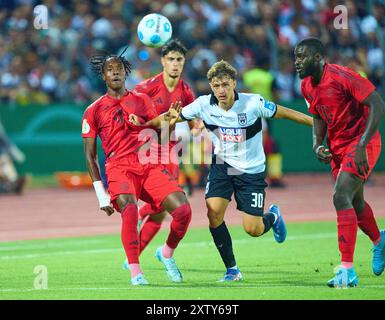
x: 91, y: 267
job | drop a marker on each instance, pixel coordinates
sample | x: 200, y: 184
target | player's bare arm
x: 171, y: 116
x: 319, y: 134
x: 94, y: 171
x: 376, y: 112
x: 293, y: 115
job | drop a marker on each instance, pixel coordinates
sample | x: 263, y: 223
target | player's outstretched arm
x: 290, y: 114
x: 89, y: 145
x: 172, y: 116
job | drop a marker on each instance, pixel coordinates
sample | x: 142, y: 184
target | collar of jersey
x: 214, y: 100
x: 115, y: 99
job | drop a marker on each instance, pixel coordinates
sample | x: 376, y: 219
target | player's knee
x: 215, y: 219
x: 341, y: 200
x: 158, y: 217
x: 254, y: 230
x: 122, y: 204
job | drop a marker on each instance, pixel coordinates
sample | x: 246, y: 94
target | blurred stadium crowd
x: 257, y: 37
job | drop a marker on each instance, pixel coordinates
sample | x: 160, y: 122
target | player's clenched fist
x: 134, y: 119
x: 323, y: 154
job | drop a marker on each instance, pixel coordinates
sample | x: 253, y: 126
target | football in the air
x: 154, y: 30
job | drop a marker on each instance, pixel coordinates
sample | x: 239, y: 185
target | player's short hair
x: 99, y: 59
x: 221, y: 69
x: 314, y: 44
x: 173, y: 45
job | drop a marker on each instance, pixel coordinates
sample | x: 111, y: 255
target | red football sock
x: 147, y: 232
x: 144, y: 210
x: 347, y: 233
x: 179, y: 224
x: 129, y: 233
x: 368, y: 225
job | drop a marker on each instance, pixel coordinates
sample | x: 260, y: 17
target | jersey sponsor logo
x: 269, y: 105
x: 231, y: 134
x: 242, y: 119
x: 221, y: 117
x: 85, y: 127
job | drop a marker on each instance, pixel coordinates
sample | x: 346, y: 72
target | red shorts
x: 150, y: 183
x: 173, y: 172
x: 345, y: 161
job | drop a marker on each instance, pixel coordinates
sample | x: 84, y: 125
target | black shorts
x: 248, y: 189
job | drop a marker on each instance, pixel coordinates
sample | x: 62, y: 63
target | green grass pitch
x: 91, y: 267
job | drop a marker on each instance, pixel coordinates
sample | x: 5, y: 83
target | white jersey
x: 237, y: 132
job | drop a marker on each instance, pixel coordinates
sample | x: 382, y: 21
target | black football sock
x: 268, y: 221
x: 222, y: 240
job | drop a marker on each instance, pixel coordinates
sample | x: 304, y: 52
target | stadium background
x: 46, y: 82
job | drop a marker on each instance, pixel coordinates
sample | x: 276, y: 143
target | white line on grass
x: 162, y: 288
x: 49, y: 244
x: 182, y: 245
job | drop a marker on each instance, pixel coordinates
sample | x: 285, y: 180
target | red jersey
x: 108, y: 118
x: 156, y: 89
x: 337, y: 99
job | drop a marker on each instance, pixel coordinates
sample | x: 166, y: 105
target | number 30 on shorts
x: 257, y: 200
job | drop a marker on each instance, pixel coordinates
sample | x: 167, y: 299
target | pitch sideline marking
x: 182, y: 245
x: 180, y: 287
x: 49, y: 245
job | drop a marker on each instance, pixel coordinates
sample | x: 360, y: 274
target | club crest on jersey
x: 242, y: 119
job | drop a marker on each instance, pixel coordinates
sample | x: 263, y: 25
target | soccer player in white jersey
x: 234, y: 122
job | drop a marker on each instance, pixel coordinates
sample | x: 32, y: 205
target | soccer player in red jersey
x: 164, y: 89
x: 347, y: 109
x: 128, y: 178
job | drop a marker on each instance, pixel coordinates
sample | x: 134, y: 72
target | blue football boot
x: 279, y: 227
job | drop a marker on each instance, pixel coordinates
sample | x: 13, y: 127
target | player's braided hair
x: 99, y: 59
